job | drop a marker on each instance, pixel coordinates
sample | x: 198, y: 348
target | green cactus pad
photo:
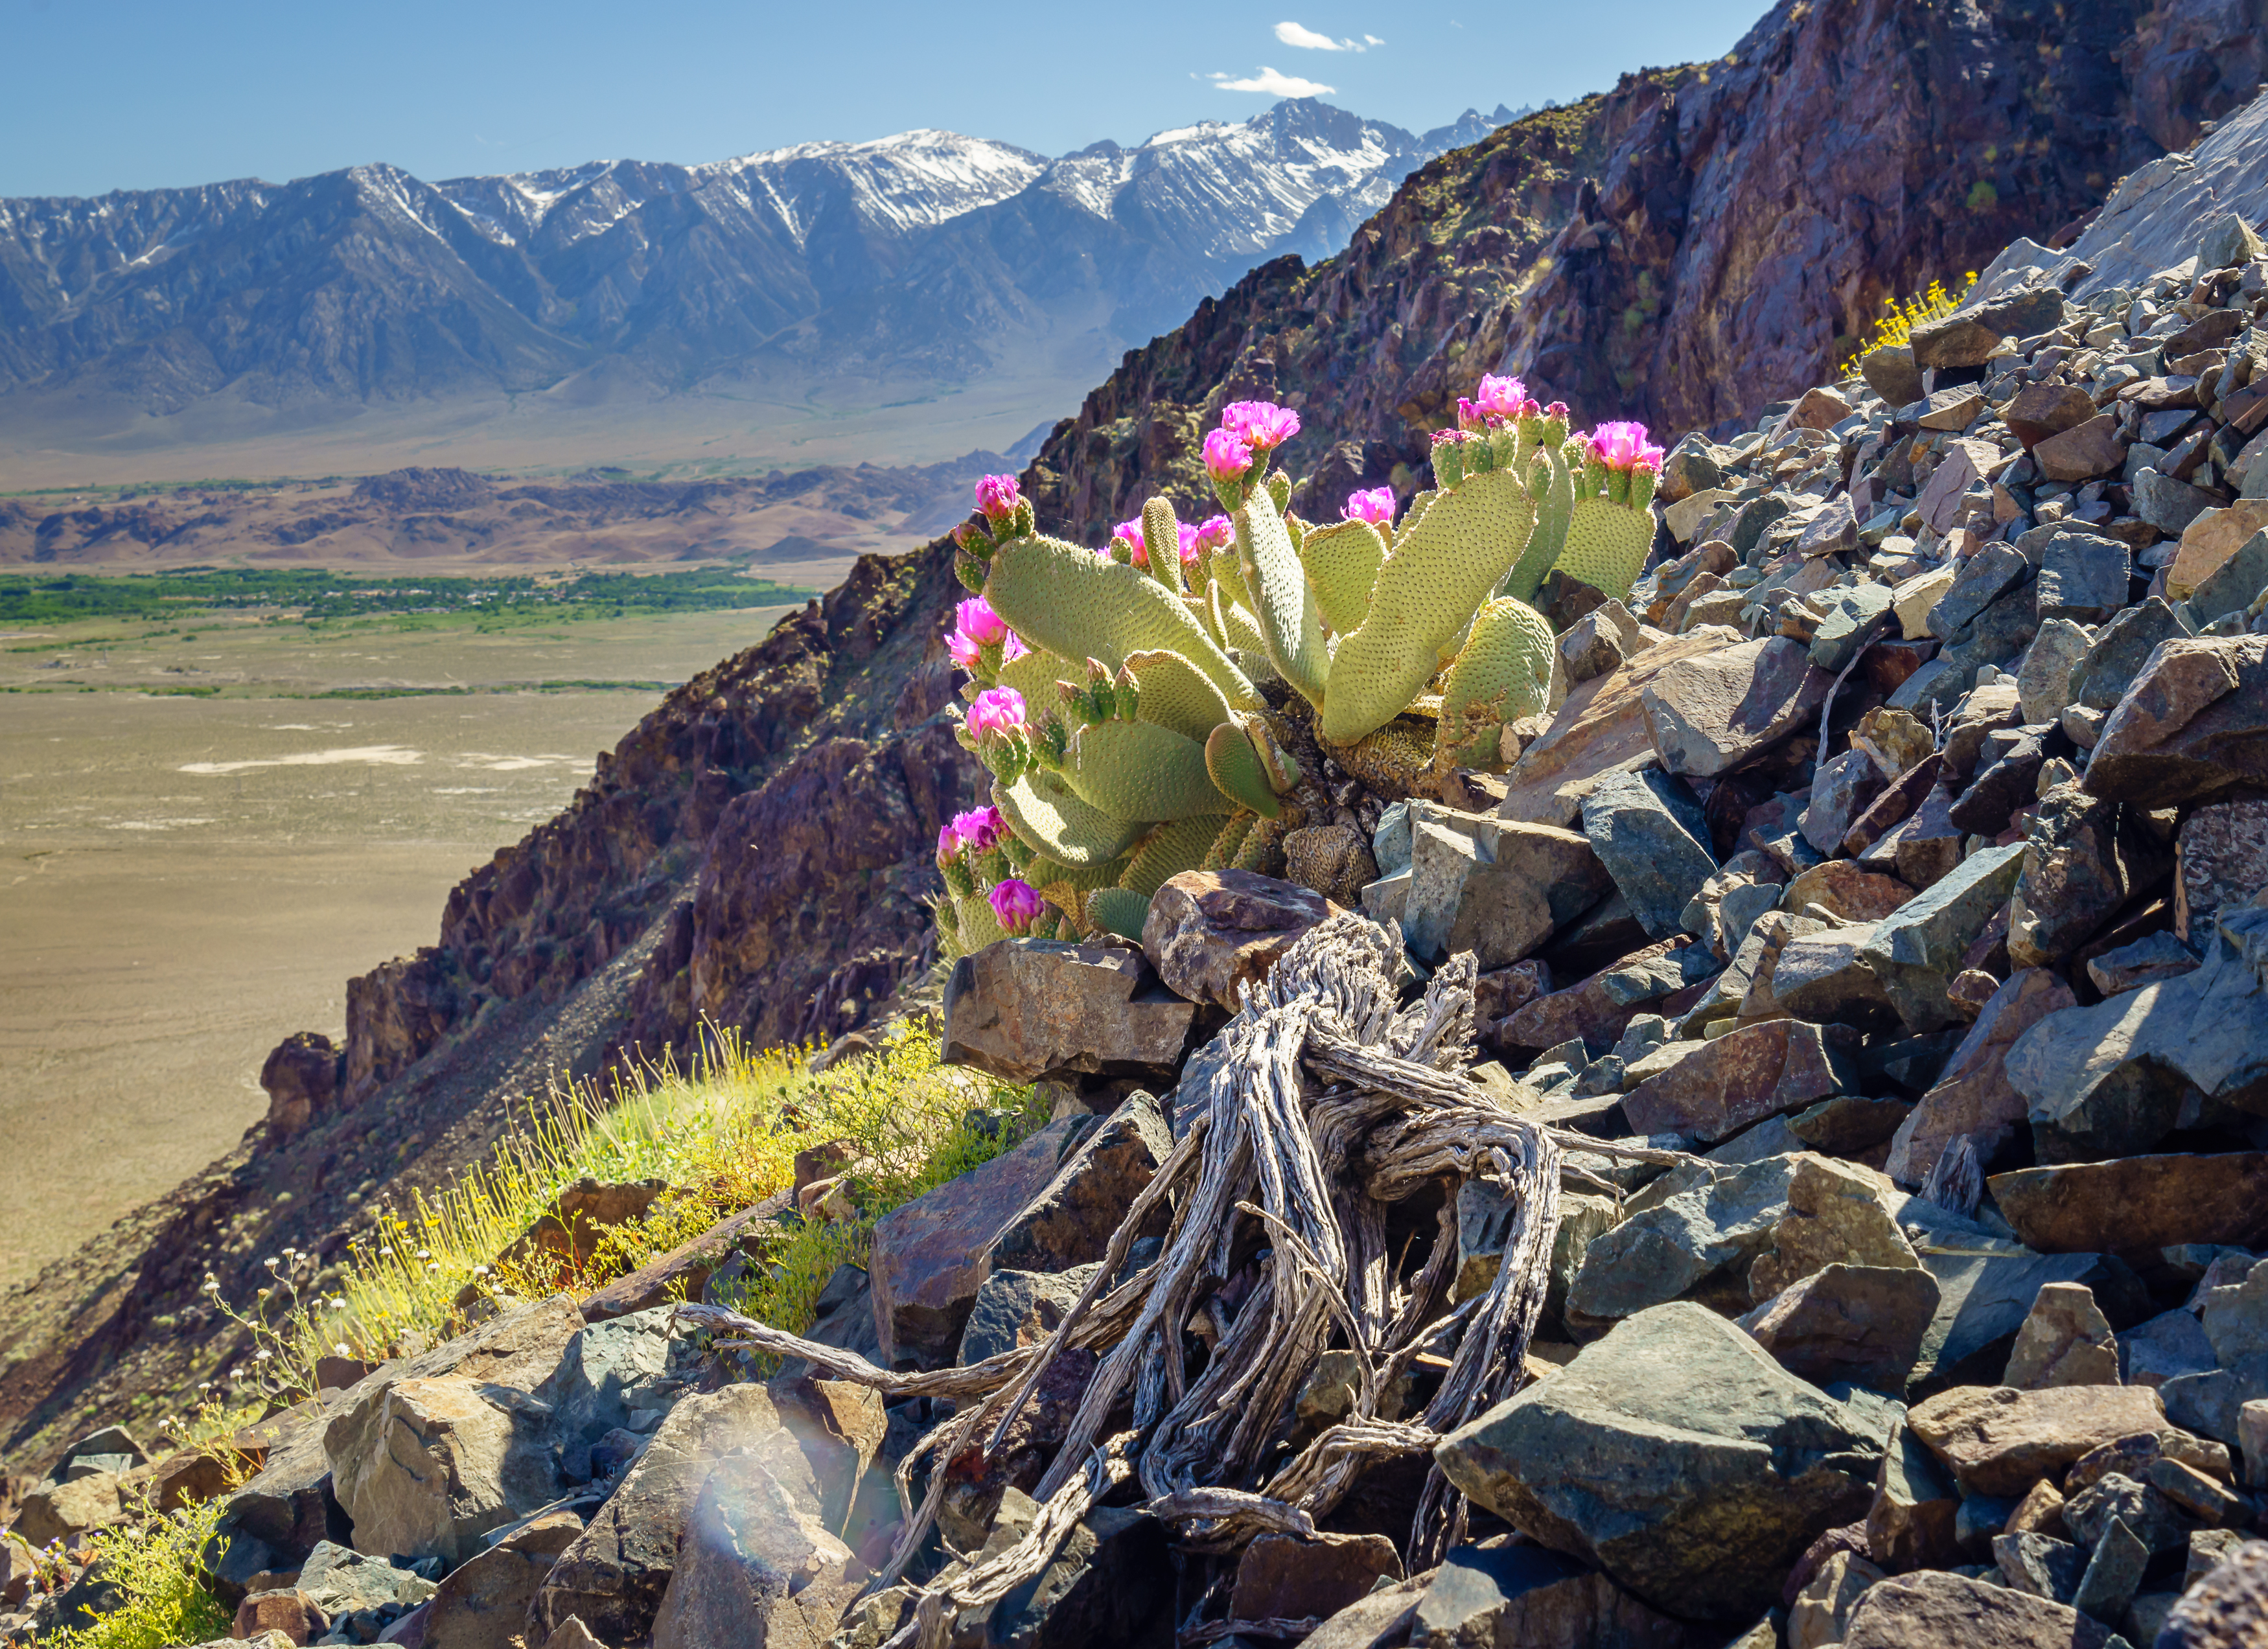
x: 1504, y: 673
x: 1139, y: 771
x: 1262, y: 850
x: 1119, y: 910
x: 1606, y: 544
x: 1176, y: 694
x: 1554, y: 509
x: 1289, y: 620
x: 1061, y: 598
x: 1342, y: 561
x: 1046, y: 872
x: 1441, y: 569
x: 974, y: 926
x: 1222, y: 853
x: 1159, y: 527
x: 1034, y: 675
x: 1243, y: 632
x: 1168, y: 850
x: 1044, y: 812
x: 1238, y: 771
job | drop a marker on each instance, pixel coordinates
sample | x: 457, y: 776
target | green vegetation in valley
x: 316, y: 597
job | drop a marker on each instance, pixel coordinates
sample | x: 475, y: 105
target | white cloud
x: 1307, y: 40
x: 1274, y: 85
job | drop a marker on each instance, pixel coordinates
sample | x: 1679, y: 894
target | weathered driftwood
x: 1313, y: 1110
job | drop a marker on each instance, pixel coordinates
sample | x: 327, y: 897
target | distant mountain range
x: 913, y: 264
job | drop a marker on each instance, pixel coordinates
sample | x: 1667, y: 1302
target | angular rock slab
x: 1973, y: 1096
x: 1538, y: 1599
x: 1024, y: 1009
x: 436, y: 1463
x: 1648, y: 831
x: 1706, y: 715
x: 2001, y: 1441
x: 2157, y: 1202
x: 2227, y: 1609
x: 930, y: 1256
x: 1916, y: 950
x: 1863, y: 1323
x: 1675, y: 1455
x: 755, y: 1568
x: 1758, y: 1070
x: 1936, y: 1611
x: 2194, y: 723
x: 1212, y: 933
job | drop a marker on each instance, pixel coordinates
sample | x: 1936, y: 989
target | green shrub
x: 153, y: 1560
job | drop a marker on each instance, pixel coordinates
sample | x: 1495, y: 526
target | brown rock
x: 1937, y: 1610
x: 1707, y: 714
x: 65, y: 1510
x: 1600, y: 728
x: 1903, y: 795
x: 2001, y: 1441
x: 2082, y: 451
x: 2065, y: 1341
x: 301, y: 1076
x: 1822, y: 1612
x: 1973, y: 1096
x: 1027, y: 1009
x: 1962, y: 467
x: 2227, y: 1609
x: 1596, y: 1010
x: 2040, y: 1513
x: 1818, y: 409
x: 579, y: 1217
x: 1857, y: 1322
x: 1282, y: 1577
x: 292, y: 1613
x: 1526, y: 880
x: 1071, y: 1221
x: 929, y: 1255
x: 2041, y: 410
x: 2136, y: 1202
x: 1838, y: 1214
x: 1911, y: 1524
x: 1846, y: 889
x: 483, y: 1602
x: 1210, y: 932
x: 2221, y: 859
x: 2195, y: 722
x: 2209, y: 541
x: 1743, y: 1077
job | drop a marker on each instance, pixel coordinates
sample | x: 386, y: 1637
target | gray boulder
x: 1675, y: 1455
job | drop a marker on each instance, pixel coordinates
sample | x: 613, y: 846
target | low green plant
x: 1895, y: 326
x: 152, y: 1561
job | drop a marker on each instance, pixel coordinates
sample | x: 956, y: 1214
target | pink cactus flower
x: 997, y: 497
x: 1214, y: 533
x: 1558, y: 409
x: 995, y: 710
x: 1375, y: 506
x: 1189, y: 543
x: 948, y: 843
x: 966, y: 654
x: 1131, y: 532
x: 976, y: 620
x: 1501, y: 397
x: 1017, y: 903
x: 962, y: 533
x: 979, y: 830
x: 1226, y: 455
x: 1624, y: 446
x: 1262, y: 425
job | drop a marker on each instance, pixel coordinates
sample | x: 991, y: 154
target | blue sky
x: 108, y: 94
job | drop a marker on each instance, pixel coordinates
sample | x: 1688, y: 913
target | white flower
x: 384, y: 1254
x: 340, y: 1348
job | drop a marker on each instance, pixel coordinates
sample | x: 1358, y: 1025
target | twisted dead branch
x: 1317, y: 1108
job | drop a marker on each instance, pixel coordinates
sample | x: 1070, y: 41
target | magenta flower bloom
x: 979, y: 622
x: 1131, y: 532
x: 948, y: 843
x: 1624, y: 446
x: 966, y: 654
x: 1214, y: 533
x: 1501, y: 397
x: 1226, y: 455
x: 997, y: 497
x: 1448, y: 437
x: 1262, y: 425
x: 1017, y: 903
x: 1375, y: 506
x: 995, y: 710
x: 979, y: 830
x: 1189, y: 543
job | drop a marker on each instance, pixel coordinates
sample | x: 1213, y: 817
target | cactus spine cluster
x: 1117, y: 695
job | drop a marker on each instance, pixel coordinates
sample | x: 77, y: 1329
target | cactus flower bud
x: 997, y: 497
x: 995, y: 710
x: 1375, y: 506
x: 1623, y: 447
x: 1017, y: 904
x: 1226, y: 455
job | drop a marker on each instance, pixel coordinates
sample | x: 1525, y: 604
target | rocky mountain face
x: 924, y: 254
x: 757, y: 852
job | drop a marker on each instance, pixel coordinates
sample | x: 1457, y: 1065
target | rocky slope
x: 758, y: 850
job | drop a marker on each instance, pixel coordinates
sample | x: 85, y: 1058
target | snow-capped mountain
x: 926, y: 255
